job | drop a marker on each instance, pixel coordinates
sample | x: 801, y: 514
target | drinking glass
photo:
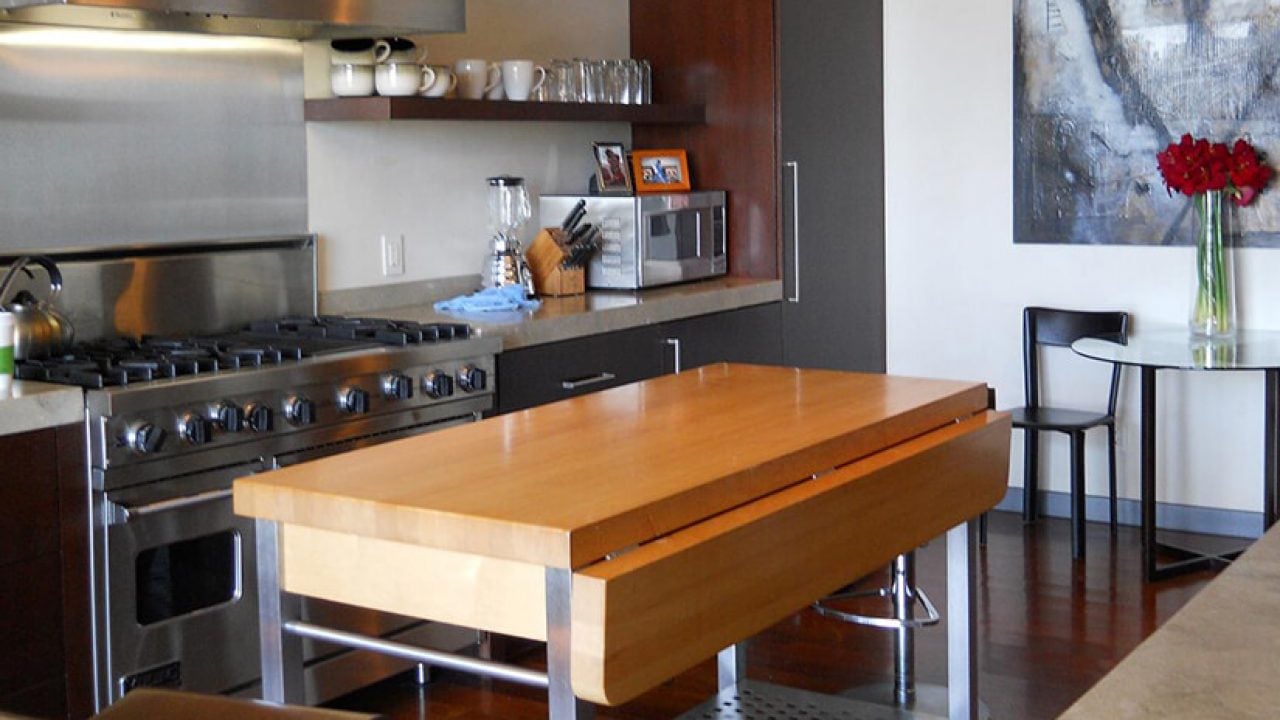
x: 614, y: 79
x: 644, y: 83
x: 560, y: 79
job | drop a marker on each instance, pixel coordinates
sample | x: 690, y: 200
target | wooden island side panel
x: 564, y: 484
x: 650, y: 614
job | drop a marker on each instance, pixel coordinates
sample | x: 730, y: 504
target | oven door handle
x: 124, y: 513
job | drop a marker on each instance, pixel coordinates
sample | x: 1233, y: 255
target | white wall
x: 957, y: 283
x: 425, y: 179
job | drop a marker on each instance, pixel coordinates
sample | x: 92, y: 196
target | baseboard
x: 1209, y: 521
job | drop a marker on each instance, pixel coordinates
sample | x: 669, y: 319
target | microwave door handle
x: 698, y: 234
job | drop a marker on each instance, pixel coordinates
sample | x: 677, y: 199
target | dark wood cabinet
x: 832, y: 122
x: 749, y: 335
x: 793, y: 91
x: 545, y: 373
x: 45, y: 667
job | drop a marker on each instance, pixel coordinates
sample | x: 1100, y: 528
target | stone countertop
x: 599, y: 311
x: 1217, y: 657
x: 31, y: 405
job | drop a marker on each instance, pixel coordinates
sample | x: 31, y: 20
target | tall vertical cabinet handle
x: 795, y: 227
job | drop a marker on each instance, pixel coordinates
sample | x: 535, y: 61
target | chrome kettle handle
x: 55, y: 275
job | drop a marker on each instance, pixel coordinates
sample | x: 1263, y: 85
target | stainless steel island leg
x: 562, y: 703
x: 731, y: 665
x: 962, y: 619
x: 281, y: 650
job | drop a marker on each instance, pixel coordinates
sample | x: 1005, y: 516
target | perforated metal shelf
x: 755, y: 700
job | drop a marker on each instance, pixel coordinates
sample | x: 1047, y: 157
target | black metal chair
x: 1053, y: 327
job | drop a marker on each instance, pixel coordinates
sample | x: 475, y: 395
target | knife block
x: 544, y: 257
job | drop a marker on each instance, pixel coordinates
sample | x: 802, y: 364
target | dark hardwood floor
x: 1049, y: 629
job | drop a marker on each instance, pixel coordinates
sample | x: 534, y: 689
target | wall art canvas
x: 1100, y: 86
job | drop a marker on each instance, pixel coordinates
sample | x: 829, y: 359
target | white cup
x: 445, y: 81
x: 518, y: 78
x: 351, y: 80
x: 6, y: 352
x: 396, y: 79
x: 476, y: 78
x: 398, y: 50
x: 352, y: 52
x: 495, y: 91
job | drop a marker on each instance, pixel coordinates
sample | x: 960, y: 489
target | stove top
x: 121, y: 361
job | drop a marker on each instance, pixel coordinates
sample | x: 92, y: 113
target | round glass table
x: 1175, y: 349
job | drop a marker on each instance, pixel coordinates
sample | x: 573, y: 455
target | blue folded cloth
x: 499, y: 299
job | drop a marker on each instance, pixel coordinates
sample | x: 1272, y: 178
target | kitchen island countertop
x: 31, y: 405
x: 596, y: 312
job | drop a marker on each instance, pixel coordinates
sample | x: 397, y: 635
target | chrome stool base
x: 927, y: 699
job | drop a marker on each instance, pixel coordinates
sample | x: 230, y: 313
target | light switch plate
x: 392, y: 255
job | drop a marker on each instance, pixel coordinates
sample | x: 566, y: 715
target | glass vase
x: 1213, y: 306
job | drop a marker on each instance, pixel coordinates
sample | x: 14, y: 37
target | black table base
x: 1192, y: 560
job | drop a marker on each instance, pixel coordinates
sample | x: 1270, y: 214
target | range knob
x: 354, y: 400
x: 437, y: 384
x: 300, y: 411
x: 144, y: 438
x: 228, y: 416
x: 195, y: 428
x: 472, y: 379
x: 259, y: 417
x: 397, y: 387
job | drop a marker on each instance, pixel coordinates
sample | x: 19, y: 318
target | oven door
x: 182, y: 585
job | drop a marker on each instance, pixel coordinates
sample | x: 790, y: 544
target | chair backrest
x: 1055, y: 327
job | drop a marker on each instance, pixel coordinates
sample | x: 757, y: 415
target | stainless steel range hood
x: 297, y: 19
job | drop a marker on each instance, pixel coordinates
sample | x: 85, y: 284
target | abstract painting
x: 1101, y: 85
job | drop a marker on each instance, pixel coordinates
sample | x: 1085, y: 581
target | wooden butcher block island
x: 638, y: 530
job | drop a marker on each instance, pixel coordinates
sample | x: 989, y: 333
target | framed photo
x: 660, y: 170
x: 611, y: 168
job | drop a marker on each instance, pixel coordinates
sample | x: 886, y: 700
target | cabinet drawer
x: 546, y: 373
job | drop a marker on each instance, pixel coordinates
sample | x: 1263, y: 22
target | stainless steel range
x: 174, y: 418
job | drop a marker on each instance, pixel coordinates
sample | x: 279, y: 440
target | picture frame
x: 661, y: 170
x: 612, y: 169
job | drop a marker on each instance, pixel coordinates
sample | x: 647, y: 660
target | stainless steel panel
x: 299, y: 19
x: 113, y: 137
x: 182, y: 289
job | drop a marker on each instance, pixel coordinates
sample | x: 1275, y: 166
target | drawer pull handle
x: 586, y: 381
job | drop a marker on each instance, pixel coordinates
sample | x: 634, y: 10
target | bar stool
x: 905, y: 692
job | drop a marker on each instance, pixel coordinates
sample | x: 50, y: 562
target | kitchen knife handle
x: 795, y: 227
x: 582, y: 382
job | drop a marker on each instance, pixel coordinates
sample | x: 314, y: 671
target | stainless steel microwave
x: 650, y: 240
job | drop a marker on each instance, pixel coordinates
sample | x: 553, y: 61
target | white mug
x: 399, y: 79
x: 476, y: 78
x: 351, y: 80
x: 517, y: 78
x: 398, y: 50
x: 443, y: 84
x: 495, y: 91
x: 351, y: 52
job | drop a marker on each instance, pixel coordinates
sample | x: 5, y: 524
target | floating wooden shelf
x: 419, y: 108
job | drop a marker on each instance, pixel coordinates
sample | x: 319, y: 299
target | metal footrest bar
x: 932, y: 616
x: 437, y: 658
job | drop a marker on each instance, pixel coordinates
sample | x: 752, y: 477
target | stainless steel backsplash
x: 118, y: 137
x: 180, y: 289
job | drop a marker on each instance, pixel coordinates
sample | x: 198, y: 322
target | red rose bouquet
x: 1205, y: 171
x: 1195, y: 165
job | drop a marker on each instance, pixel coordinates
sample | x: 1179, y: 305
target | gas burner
x: 375, y: 330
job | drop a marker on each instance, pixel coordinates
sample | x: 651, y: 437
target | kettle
x: 38, y: 329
